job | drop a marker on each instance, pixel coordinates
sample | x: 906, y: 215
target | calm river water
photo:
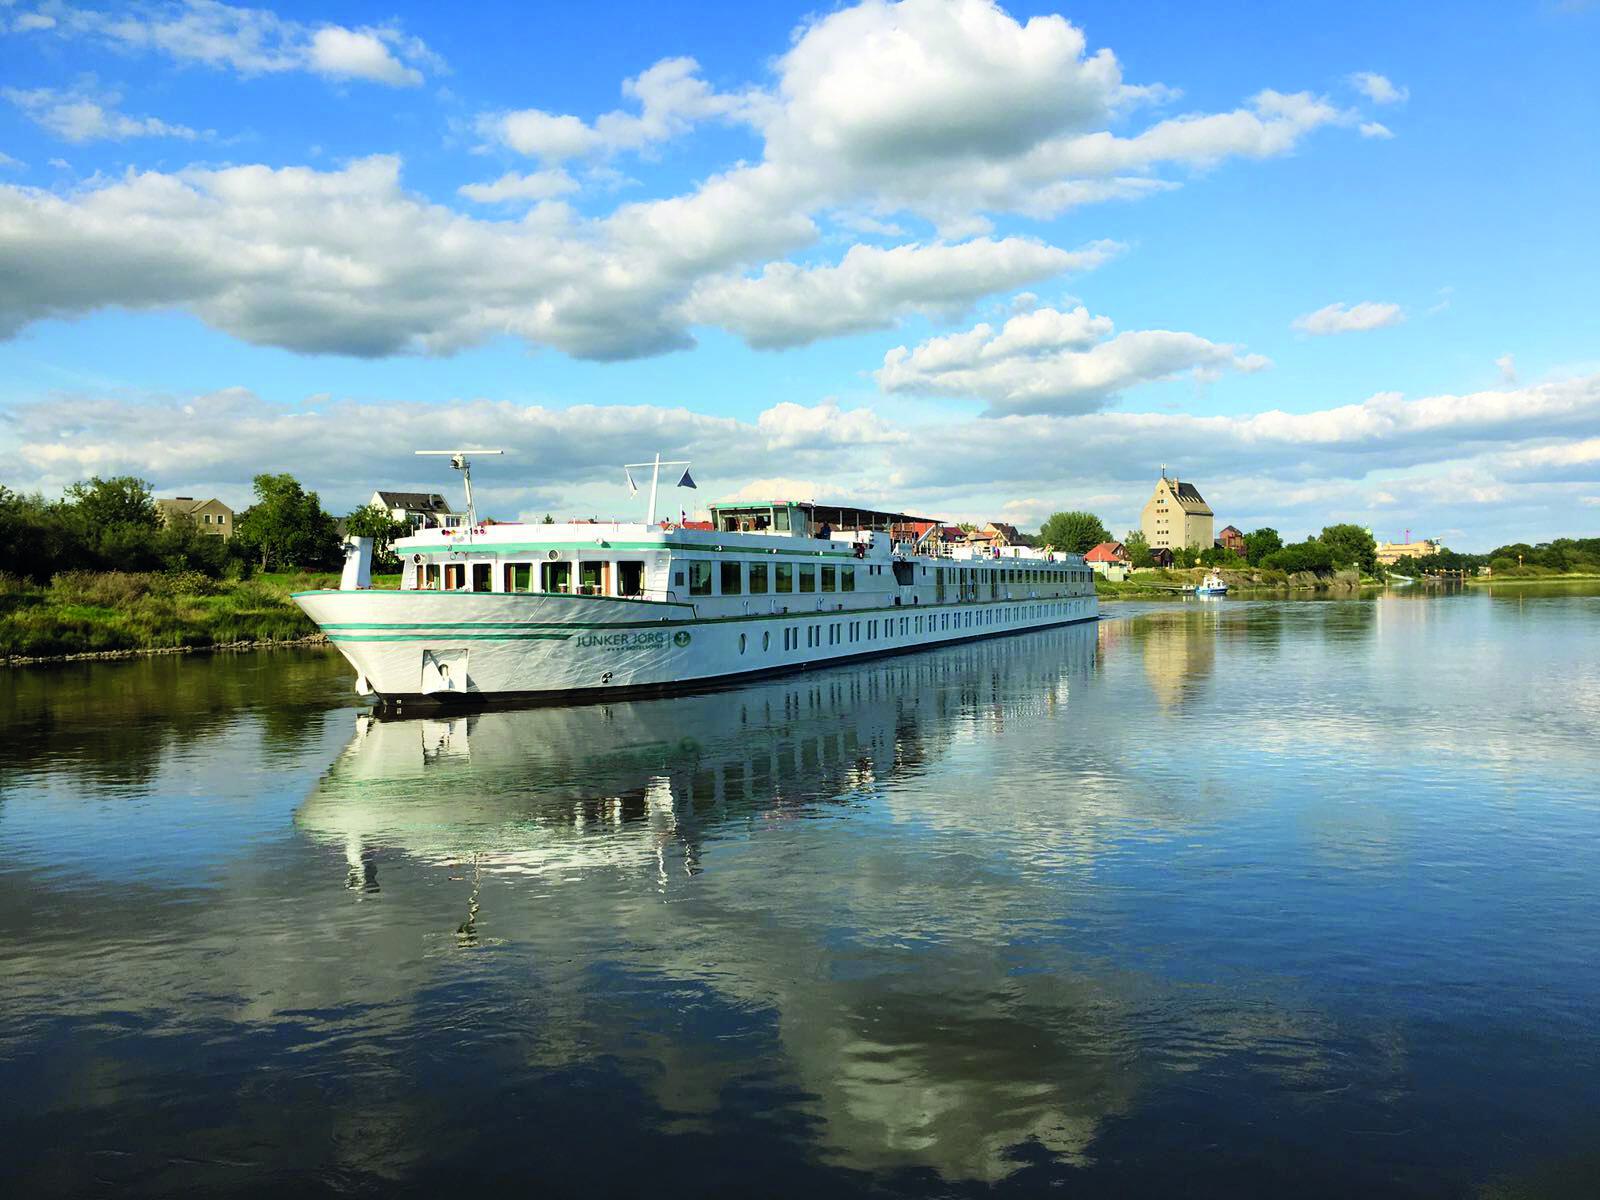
x: 1239, y: 898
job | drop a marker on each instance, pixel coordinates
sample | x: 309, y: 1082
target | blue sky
x: 1333, y: 262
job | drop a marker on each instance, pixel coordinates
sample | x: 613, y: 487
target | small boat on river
x: 584, y: 610
x: 1212, y: 585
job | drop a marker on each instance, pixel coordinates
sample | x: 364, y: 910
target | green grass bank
x: 1168, y: 583
x: 120, y: 612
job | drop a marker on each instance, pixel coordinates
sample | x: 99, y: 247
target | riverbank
x: 1168, y: 583
x: 1549, y: 577
x: 88, y: 615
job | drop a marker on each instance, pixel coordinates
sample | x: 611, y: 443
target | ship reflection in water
x: 914, y: 1033
x: 1224, y: 899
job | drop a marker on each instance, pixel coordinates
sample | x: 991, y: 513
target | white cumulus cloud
x: 870, y: 288
x: 249, y: 41
x: 672, y: 99
x: 1378, y: 89
x: 1356, y: 318
x: 76, y: 117
x: 358, y: 54
x: 1050, y: 361
x: 532, y: 187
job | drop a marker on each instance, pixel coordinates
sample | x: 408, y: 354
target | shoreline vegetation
x: 86, y: 615
x: 1165, y: 583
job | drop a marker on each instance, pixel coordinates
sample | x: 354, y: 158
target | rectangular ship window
x: 630, y: 579
x: 555, y: 577
x: 699, y: 577
x: 593, y: 576
x: 847, y: 579
x: 785, y: 577
x: 758, y: 579
x: 808, y: 578
x: 830, y: 577
x: 732, y: 578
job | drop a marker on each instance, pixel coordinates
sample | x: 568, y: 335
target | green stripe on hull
x: 450, y: 637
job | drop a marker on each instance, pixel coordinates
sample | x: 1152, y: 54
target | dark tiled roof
x: 1189, y: 497
x: 415, y: 501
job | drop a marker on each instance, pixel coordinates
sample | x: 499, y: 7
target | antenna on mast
x: 458, y: 460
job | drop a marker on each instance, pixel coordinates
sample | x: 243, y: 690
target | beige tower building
x: 1177, y: 515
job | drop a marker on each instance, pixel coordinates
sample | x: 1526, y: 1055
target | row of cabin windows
x: 760, y: 579
x: 594, y: 577
x: 853, y: 632
x: 841, y: 632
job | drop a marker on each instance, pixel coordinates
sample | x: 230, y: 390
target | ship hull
x: 416, y: 650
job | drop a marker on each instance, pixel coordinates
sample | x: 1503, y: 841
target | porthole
x: 766, y: 641
x: 741, y: 643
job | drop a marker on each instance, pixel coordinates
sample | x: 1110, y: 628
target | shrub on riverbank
x: 1165, y: 582
x: 86, y: 612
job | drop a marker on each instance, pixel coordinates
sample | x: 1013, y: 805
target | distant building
x: 996, y: 535
x: 1231, y: 538
x: 1177, y: 515
x: 209, y: 516
x: 421, y: 510
x: 1161, y: 556
x: 1390, y: 553
x: 1109, y: 560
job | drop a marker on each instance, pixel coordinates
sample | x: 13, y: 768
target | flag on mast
x: 633, y: 488
x: 687, y: 480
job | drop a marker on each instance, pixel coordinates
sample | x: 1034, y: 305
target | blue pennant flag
x: 687, y: 481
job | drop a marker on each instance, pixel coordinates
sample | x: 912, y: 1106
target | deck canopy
x: 804, y: 518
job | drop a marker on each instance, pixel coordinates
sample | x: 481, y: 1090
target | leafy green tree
x: 1074, y: 532
x: 1352, y: 546
x: 548, y: 519
x: 120, y: 500
x: 1260, y: 544
x: 1310, y: 555
x: 286, y: 526
x: 1138, y: 548
x: 376, y: 522
x: 36, y: 538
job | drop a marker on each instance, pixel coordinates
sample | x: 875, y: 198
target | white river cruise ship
x: 587, y: 610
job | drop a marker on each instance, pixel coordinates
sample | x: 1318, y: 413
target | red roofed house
x: 1110, y: 560
x: 1231, y: 539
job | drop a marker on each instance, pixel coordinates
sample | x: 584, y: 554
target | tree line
x: 1337, y: 546
x: 114, y: 525
x: 1561, y: 556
